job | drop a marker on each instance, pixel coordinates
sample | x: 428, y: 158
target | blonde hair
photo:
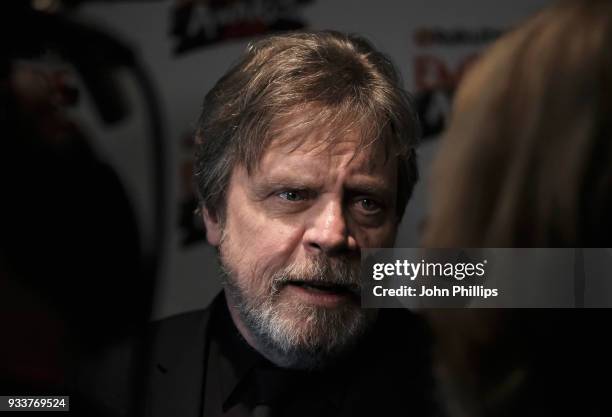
x: 526, y: 160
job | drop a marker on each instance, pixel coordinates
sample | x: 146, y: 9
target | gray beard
x: 299, y: 336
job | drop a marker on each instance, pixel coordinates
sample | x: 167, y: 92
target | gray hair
x: 335, y: 81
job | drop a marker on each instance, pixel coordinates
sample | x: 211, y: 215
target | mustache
x: 339, y: 272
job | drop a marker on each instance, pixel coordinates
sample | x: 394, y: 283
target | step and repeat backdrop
x: 186, y: 45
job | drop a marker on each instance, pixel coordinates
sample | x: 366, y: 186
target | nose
x: 328, y: 230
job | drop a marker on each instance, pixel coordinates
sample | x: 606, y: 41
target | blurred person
x: 527, y: 162
x: 528, y: 150
x: 58, y: 269
x: 76, y: 276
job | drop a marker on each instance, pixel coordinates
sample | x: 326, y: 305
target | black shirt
x: 389, y: 373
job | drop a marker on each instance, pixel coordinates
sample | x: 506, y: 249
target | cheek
x: 260, y: 246
x: 379, y: 237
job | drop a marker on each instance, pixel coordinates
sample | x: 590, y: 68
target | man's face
x: 290, y: 245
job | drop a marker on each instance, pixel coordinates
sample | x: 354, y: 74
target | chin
x: 309, y: 336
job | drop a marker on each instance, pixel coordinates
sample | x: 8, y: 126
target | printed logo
x: 200, y: 23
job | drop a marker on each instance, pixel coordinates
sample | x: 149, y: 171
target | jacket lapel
x: 178, y: 365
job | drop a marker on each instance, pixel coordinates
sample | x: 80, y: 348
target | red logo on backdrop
x: 442, y: 58
x: 200, y: 23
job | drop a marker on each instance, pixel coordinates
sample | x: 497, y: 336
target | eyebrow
x: 373, y: 187
x: 263, y: 187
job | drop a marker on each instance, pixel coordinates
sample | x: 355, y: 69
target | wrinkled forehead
x: 311, y: 151
x: 324, y: 132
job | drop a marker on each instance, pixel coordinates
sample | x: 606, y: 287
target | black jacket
x: 391, y: 376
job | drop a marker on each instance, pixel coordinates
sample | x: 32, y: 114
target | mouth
x: 325, y: 286
x: 324, y: 293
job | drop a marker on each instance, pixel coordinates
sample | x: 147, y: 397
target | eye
x: 369, y: 206
x: 292, y: 195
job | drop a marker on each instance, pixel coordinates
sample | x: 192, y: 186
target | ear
x: 213, y: 227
